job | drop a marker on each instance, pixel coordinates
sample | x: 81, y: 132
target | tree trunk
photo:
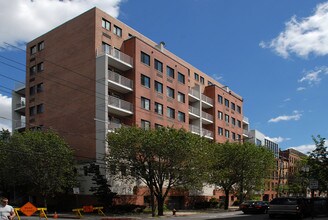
x: 226, y: 199
x: 152, y: 201
x: 160, y: 204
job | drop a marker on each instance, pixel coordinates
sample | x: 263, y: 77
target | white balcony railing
x: 245, y: 119
x: 194, y: 93
x: 120, y: 104
x: 207, y: 99
x: 193, y: 110
x: 207, y: 133
x: 194, y: 129
x: 115, y: 77
x: 207, y: 116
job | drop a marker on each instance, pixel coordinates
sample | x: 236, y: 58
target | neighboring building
x: 94, y: 73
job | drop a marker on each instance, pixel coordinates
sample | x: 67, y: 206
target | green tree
x: 44, y: 160
x: 318, y: 163
x: 236, y: 165
x: 162, y: 158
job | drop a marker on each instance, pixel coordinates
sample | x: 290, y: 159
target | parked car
x: 254, y: 207
x: 296, y: 206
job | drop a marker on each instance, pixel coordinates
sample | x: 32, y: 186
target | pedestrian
x: 6, y: 211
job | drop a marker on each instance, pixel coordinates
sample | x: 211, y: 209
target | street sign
x: 28, y: 209
x: 314, y: 184
x: 76, y: 190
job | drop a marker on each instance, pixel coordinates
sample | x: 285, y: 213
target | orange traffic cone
x: 55, y: 215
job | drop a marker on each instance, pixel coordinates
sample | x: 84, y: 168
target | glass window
x: 32, y: 110
x: 145, y: 58
x: 40, y: 108
x: 233, y: 121
x: 220, y: 115
x: 220, y: 99
x: 159, y: 108
x: 233, y: 106
x: 145, y: 124
x: 220, y: 131
x: 106, y: 47
x: 41, y: 46
x: 227, y: 133
x: 170, y: 112
x: 233, y: 136
x: 40, y: 67
x: 32, y: 70
x: 39, y: 87
x: 238, y: 109
x: 170, y: 92
x: 181, y: 78
x: 181, y: 97
x: 226, y: 118
x: 32, y: 90
x: 117, y: 31
x: 238, y: 136
x: 158, y: 87
x: 169, y: 72
x: 226, y: 102
x: 145, y: 103
x: 181, y: 116
x: 105, y: 24
x: 239, y: 123
x: 258, y: 142
x: 157, y: 126
x: 202, y: 81
x: 33, y: 50
x: 158, y: 65
x: 196, y: 76
x: 209, y: 83
x: 145, y: 81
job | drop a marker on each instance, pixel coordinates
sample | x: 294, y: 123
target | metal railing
x: 113, y: 52
x: 195, y: 111
x: 113, y: 125
x: 119, y: 103
x: 207, y: 99
x: 207, y: 116
x: 194, y: 129
x: 115, y: 77
x: 245, y: 119
x: 194, y: 93
x: 207, y: 133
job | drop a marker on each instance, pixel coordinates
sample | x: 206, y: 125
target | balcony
x: 207, y: 102
x: 207, y: 118
x: 20, y: 107
x: 194, y: 113
x: 116, y: 58
x: 245, y: 133
x: 194, y: 129
x: 119, y: 107
x: 207, y: 134
x: 113, y: 125
x: 245, y: 120
x: 193, y: 95
x: 119, y: 83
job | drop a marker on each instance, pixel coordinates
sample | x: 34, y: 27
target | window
x: 158, y: 87
x: 145, y: 124
x: 41, y: 46
x: 233, y: 136
x: 181, y: 78
x: 106, y: 47
x: 169, y: 72
x: 233, y: 106
x: 32, y: 90
x: 209, y: 83
x: 202, y: 81
x: 157, y: 126
x: 145, y: 103
x: 145, y: 58
x: 226, y: 102
x: 238, y: 109
x: 39, y: 87
x: 233, y: 121
x: 239, y: 123
x: 196, y: 76
x: 158, y: 65
x: 170, y: 92
x: 238, y: 137
x: 220, y: 99
x: 181, y: 97
x: 220, y: 115
x: 33, y: 50
x: 258, y: 142
x: 220, y: 131
x: 227, y: 133
x: 117, y: 31
x: 226, y: 118
x: 40, y: 108
x: 32, y: 111
x: 105, y: 24
x: 32, y: 70
x: 159, y: 108
x: 39, y: 67
x: 170, y: 112
x: 181, y: 116
x: 145, y: 81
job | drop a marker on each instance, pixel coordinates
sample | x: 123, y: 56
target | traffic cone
x: 55, y: 215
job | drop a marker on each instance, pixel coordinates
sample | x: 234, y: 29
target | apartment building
x: 94, y: 73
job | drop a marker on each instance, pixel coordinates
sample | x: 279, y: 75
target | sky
x: 273, y: 53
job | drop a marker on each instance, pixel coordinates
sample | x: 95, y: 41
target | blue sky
x: 273, y: 53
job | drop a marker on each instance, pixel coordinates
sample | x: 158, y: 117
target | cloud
x: 303, y: 36
x: 300, y: 89
x: 5, y: 112
x: 24, y: 20
x: 287, y: 99
x: 305, y: 149
x: 314, y: 76
x: 278, y: 139
x: 296, y: 116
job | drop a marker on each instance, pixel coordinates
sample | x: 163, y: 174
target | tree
x: 102, y: 189
x: 43, y: 160
x: 318, y: 163
x: 240, y: 165
x: 162, y: 158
